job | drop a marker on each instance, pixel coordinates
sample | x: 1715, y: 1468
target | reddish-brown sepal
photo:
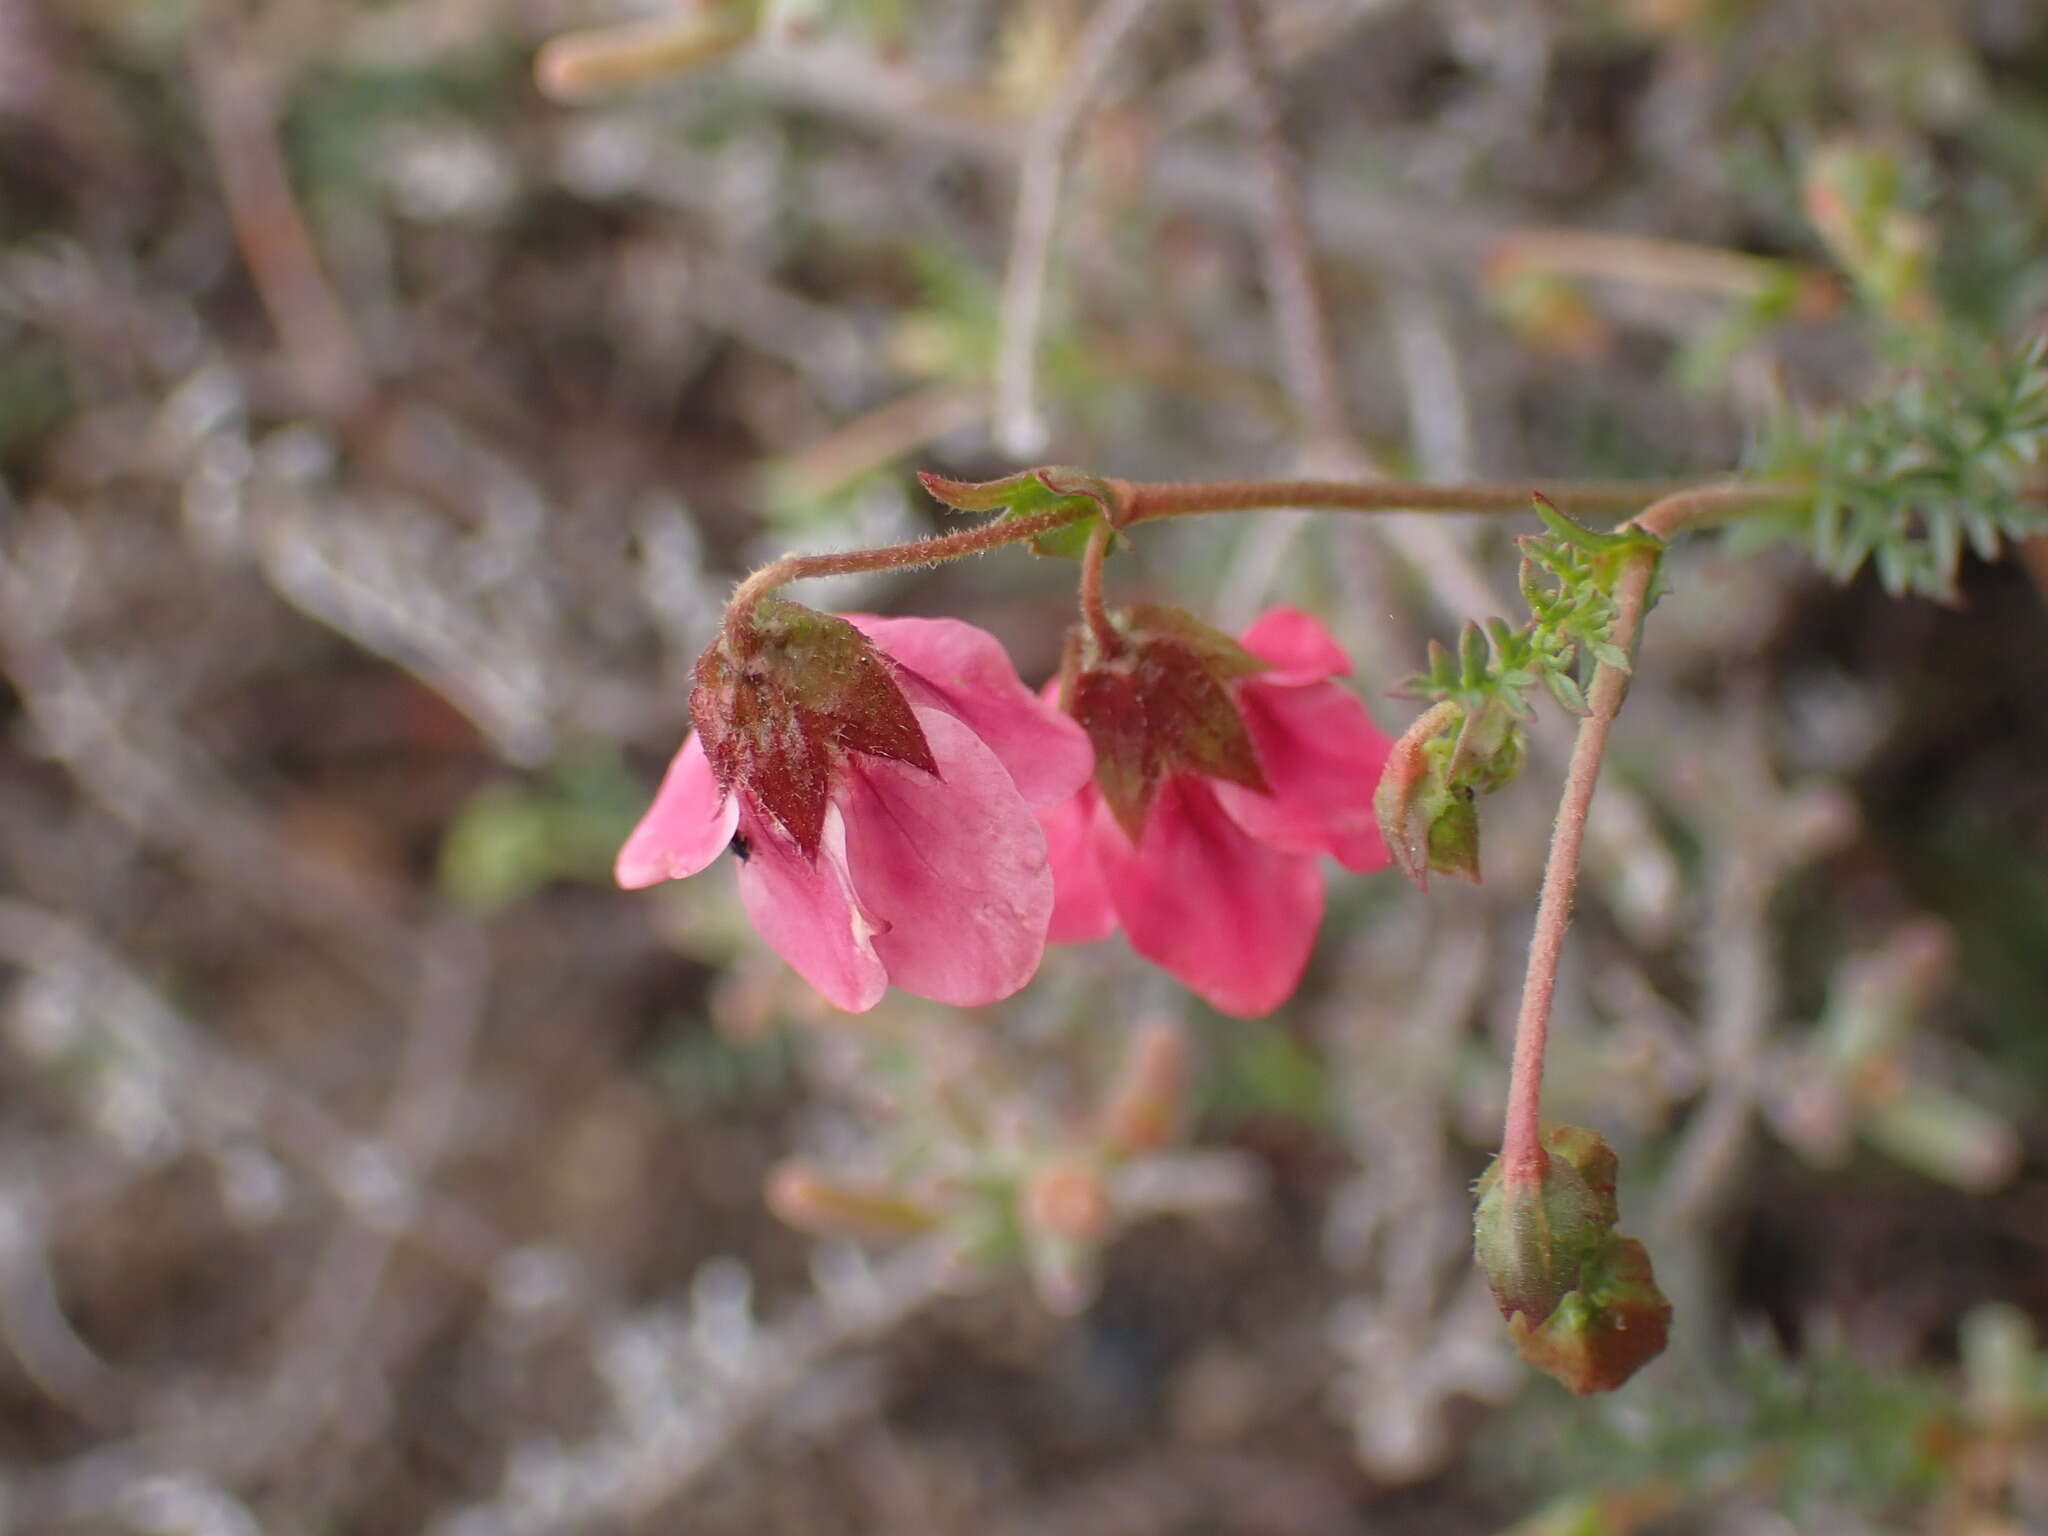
x: 1603, y: 1333
x: 1162, y: 704
x: 780, y: 699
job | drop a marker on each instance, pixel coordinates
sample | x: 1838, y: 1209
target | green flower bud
x: 1533, y: 1242
x: 1581, y: 1301
x: 1454, y: 835
x: 1488, y: 749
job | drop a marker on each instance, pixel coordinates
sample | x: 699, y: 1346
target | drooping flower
x: 1224, y: 771
x: 876, y: 779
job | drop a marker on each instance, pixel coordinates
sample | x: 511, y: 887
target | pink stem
x: 1522, y: 1157
x: 1140, y: 501
x: 1093, y: 609
x: 993, y: 534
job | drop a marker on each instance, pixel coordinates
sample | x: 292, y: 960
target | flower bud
x: 1487, y: 753
x: 1454, y: 837
x: 1397, y: 803
x: 1581, y: 1302
x: 1533, y: 1241
x: 1426, y: 810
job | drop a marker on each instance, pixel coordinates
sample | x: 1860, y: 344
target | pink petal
x: 1322, y: 756
x: 1231, y: 918
x: 689, y: 824
x: 1081, y: 908
x: 967, y: 673
x: 808, y: 914
x: 1296, y: 646
x: 954, y: 865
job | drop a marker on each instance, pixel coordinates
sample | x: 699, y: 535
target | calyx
x: 1159, y: 703
x: 780, y: 699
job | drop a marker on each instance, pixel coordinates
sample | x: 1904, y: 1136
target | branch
x: 1140, y: 501
x: 993, y: 534
x: 1093, y: 610
x: 1523, y: 1159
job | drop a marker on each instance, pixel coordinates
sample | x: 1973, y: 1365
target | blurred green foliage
x: 1261, y: 1068
x: 515, y: 836
x: 1807, y: 1435
x: 336, y: 128
x: 34, y: 393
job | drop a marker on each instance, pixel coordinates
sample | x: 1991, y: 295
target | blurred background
x: 380, y: 433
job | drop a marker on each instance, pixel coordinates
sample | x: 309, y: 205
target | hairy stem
x: 993, y: 534
x: 1703, y: 505
x: 1140, y: 501
x: 1522, y: 1158
x: 1092, y: 607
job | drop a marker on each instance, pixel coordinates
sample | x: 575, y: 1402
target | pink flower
x: 1220, y: 886
x: 932, y: 877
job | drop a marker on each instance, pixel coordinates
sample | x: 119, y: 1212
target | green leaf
x: 514, y: 836
x: 1579, y: 536
x: 1609, y: 654
x: 1473, y: 655
x: 1030, y: 492
x: 1565, y: 689
x: 1912, y: 477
